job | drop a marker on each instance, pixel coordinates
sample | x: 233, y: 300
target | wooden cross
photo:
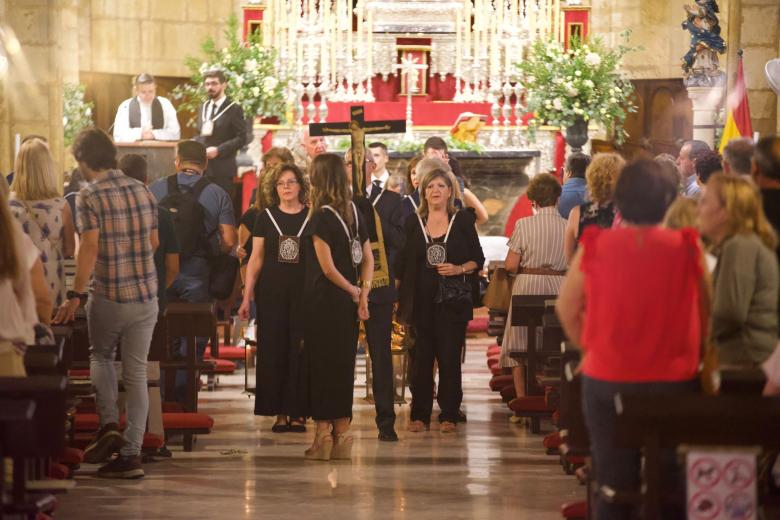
x: 357, y: 128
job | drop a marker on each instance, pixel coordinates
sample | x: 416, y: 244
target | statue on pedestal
x: 701, y: 66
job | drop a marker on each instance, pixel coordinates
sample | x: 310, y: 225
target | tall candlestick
x: 458, y: 44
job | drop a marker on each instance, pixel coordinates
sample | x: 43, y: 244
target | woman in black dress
x: 274, y: 277
x: 442, y: 247
x: 339, y: 267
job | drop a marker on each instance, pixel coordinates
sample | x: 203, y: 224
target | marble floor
x: 490, y: 469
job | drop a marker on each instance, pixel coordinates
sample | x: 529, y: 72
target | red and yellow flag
x: 738, y: 119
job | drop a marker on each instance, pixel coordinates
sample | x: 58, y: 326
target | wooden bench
x: 529, y: 311
x: 32, y: 431
x: 657, y: 423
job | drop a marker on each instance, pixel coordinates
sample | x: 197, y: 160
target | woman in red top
x: 636, y: 301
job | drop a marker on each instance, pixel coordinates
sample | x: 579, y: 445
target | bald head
x: 314, y: 146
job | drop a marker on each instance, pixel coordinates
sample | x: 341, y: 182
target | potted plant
x: 253, y: 81
x: 571, y: 87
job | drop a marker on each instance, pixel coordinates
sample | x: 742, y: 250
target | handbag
x: 454, y: 291
x: 498, y: 295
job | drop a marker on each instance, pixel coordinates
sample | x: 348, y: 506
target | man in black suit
x: 379, y: 327
x: 222, y: 130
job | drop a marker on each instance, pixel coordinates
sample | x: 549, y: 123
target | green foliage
x: 249, y: 68
x: 401, y: 146
x: 586, y: 81
x: 76, y: 113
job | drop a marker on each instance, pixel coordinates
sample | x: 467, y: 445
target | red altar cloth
x: 425, y: 113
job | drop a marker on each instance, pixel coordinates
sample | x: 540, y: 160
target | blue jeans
x: 130, y: 325
x: 613, y: 466
x: 191, y: 285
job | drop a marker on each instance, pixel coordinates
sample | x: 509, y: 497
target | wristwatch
x: 73, y: 294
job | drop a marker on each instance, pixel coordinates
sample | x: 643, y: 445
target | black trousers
x: 442, y: 340
x: 379, y: 329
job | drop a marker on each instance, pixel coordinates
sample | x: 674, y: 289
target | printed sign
x: 721, y: 485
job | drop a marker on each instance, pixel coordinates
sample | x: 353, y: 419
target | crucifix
x: 357, y: 128
x: 409, y: 68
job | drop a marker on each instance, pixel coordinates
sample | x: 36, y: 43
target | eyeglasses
x: 286, y: 184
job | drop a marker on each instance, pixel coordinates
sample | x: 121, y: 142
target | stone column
x: 31, y: 100
x: 706, y: 101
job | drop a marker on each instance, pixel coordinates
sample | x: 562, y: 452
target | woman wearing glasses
x: 275, y: 274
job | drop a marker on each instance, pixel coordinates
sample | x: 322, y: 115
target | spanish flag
x: 738, y: 120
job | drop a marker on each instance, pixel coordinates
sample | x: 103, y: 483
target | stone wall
x: 31, y: 95
x: 132, y: 36
x: 756, y: 26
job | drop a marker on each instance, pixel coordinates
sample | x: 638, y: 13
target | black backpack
x: 187, y: 214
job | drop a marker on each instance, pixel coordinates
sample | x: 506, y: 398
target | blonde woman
x: 26, y: 299
x: 600, y: 176
x: 43, y: 214
x: 339, y: 268
x: 442, y: 250
x: 745, y: 281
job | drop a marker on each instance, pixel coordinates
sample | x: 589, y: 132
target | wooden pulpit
x: 159, y: 156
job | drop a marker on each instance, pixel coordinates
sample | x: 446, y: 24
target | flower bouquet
x: 76, y: 112
x: 253, y: 82
x: 571, y: 87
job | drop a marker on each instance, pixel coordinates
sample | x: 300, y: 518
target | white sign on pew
x: 721, y: 485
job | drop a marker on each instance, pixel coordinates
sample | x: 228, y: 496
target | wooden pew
x: 657, y: 423
x: 529, y: 311
x: 32, y: 430
x: 189, y: 320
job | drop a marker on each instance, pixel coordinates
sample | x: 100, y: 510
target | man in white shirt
x: 379, y: 178
x: 146, y: 116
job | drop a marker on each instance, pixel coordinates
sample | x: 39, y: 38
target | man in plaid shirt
x: 117, y: 218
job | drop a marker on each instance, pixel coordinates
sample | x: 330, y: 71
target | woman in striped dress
x: 536, y: 255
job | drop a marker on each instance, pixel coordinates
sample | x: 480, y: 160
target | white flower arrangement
x: 584, y: 82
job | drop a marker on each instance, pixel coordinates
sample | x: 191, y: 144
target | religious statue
x: 700, y: 64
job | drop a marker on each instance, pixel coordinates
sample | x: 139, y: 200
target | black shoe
x: 298, y: 428
x: 107, y: 442
x: 461, y: 416
x: 122, y: 467
x: 388, y: 435
x: 280, y: 428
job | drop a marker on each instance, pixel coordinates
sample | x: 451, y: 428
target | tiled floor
x: 489, y: 469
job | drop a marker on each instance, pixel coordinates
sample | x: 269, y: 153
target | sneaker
x: 388, y: 435
x: 122, y: 467
x: 107, y: 442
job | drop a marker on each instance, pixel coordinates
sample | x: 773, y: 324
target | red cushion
x: 575, y: 510
x: 78, y: 372
x: 187, y: 421
x: 552, y: 441
x: 153, y: 441
x: 496, y: 370
x: 534, y: 403
x: 224, y: 366
x: 493, y: 350
x: 508, y: 392
x: 479, y: 324
x: 72, y: 456
x: 499, y: 382
x: 58, y: 471
x: 228, y: 352
x: 493, y: 360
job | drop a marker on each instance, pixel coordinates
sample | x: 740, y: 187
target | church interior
x: 505, y: 366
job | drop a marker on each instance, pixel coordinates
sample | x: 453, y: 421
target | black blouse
x: 420, y: 283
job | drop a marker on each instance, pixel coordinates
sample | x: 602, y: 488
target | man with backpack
x: 205, y: 227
